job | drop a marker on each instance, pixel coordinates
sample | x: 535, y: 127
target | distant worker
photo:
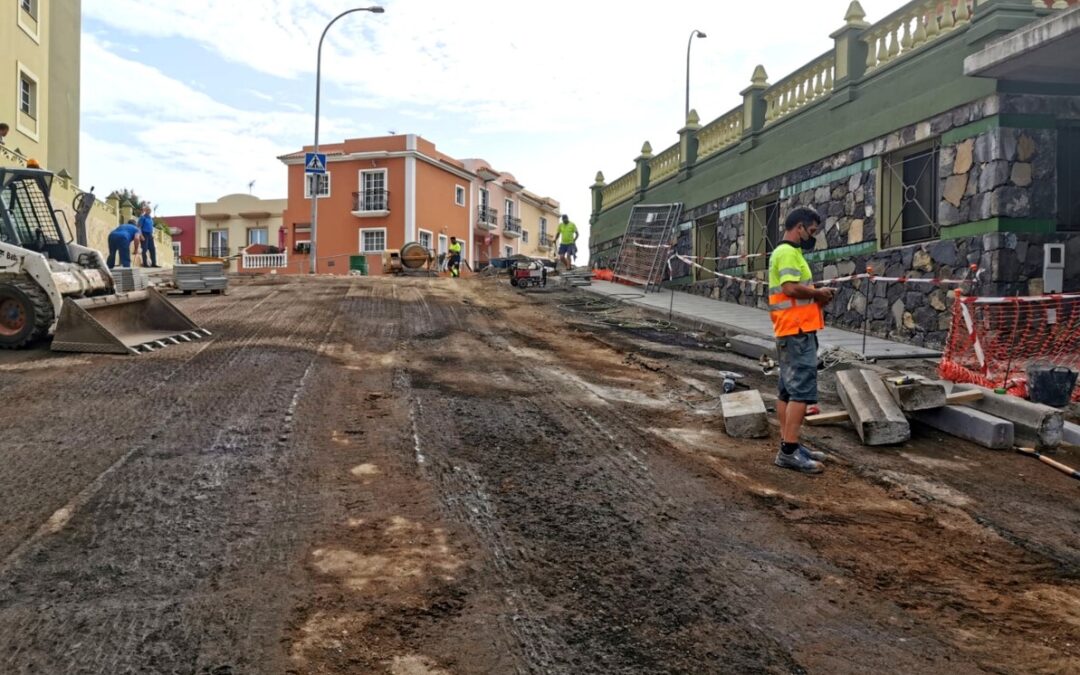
x: 796, y: 310
x: 568, y: 236
x: 120, y: 241
x: 146, y: 227
x: 454, y: 262
x: 4, y: 129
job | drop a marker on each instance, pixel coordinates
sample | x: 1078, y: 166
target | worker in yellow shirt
x: 568, y: 236
x: 454, y: 264
x: 796, y: 310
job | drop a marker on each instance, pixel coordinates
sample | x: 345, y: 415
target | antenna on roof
x: 250, y: 185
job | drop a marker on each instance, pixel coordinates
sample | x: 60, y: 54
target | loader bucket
x: 124, y: 323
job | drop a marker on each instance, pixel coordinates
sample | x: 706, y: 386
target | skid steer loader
x: 49, y: 284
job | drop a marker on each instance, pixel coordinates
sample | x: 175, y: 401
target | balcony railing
x: 487, y: 218
x: 544, y: 241
x: 511, y: 225
x: 265, y: 261
x: 215, y: 251
x: 373, y: 201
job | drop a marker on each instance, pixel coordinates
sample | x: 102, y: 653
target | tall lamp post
x: 696, y: 33
x: 314, y: 178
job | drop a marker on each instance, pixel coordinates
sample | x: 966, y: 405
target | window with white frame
x: 28, y: 94
x: 425, y: 239
x: 257, y: 235
x: 373, y: 193
x: 176, y: 248
x: 324, y: 185
x: 459, y: 195
x: 373, y: 240
x: 525, y: 236
x: 484, y: 203
x: 543, y: 228
x: 30, y: 7
x: 509, y: 210
x: 444, y: 244
x: 509, y: 250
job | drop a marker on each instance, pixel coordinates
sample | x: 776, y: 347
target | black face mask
x: 808, y: 244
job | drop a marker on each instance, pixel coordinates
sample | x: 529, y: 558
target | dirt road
x: 426, y: 477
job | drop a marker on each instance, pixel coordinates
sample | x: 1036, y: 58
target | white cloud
x: 592, y: 79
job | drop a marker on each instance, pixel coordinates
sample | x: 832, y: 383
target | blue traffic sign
x: 314, y: 163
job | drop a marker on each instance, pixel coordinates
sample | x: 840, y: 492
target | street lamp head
x: 376, y: 10
x: 700, y: 34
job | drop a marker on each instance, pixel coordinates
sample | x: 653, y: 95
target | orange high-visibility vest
x: 791, y: 316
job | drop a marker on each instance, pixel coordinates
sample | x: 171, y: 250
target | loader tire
x: 25, y: 314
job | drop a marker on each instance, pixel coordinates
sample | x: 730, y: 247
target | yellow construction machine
x: 50, y: 284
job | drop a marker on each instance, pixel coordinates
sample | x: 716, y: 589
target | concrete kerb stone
x: 1071, y: 434
x: 917, y: 395
x: 751, y: 346
x: 876, y: 416
x: 971, y: 425
x: 744, y: 414
x: 1039, y: 424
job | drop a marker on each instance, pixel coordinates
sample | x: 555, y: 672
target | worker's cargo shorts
x: 798, y: 367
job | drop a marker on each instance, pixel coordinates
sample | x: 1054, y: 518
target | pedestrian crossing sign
x: 314, y: 162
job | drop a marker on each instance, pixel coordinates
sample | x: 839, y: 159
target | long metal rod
x: 314, y: 178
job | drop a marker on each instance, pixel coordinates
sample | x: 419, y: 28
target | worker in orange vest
x: 796, y: 310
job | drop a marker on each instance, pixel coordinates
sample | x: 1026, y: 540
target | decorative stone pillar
x: 754, y: 108
x: 688, y: 144
x: 643, y: 169
x: 851, y: 54
x: 597, y: 196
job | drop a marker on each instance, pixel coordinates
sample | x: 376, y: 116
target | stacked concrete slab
x: 128, y: 279
x: 199, y: 277
x: 1035, y: 424
x: 744, y: 414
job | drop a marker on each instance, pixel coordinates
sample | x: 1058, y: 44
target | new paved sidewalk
x: 733, y: 318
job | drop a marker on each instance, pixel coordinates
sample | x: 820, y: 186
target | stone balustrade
x: 721, y: 133
x: 620, y: 189
x: 812, y: 82
x: 665, y: 164
x: 1048, y: 4
x: 912, y: 27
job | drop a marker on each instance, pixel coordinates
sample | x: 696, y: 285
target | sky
x: 188, y: 101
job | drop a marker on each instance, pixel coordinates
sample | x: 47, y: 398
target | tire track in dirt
x: 218, y: 515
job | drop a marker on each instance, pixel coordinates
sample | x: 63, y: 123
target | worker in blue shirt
x: 146, y: 227
x: 120, y: 241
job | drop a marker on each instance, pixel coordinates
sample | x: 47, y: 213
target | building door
x: 763, y: 230
x: 705, y: 248
x: 219, y: 243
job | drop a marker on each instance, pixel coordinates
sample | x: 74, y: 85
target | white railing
x: 261, y: 261
x: 721, y: 133
x: 621, y: 189
x: 665, y: 164
x: 806, y: 85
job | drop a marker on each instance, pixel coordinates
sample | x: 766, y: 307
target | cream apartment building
x: 39, y: 80
x: 227, y: 226
x: 539, y: 218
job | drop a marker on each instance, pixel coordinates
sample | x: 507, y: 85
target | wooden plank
x: 955, y: 398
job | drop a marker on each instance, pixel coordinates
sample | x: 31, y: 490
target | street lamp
x: 696, y: 33
x: 318, y: 84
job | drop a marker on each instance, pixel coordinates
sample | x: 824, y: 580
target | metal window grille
x: 644, y: 250
x: 910, y: 190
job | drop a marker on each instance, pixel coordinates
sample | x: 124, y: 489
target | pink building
x: 183, y: 235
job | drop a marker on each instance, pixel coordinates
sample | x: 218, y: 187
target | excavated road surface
x: 423, y: 476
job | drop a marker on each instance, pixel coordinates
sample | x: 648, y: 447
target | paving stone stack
x: 188, y: 278
x: 213, y: 276
x: 128, y: 279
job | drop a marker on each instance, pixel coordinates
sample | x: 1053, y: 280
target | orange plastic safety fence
x: 992, y: 341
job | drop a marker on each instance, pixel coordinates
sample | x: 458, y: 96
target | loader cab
x: 27, y: 218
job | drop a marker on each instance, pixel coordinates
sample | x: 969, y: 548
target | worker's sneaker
x: 797, y: 461
x: 815, y: 455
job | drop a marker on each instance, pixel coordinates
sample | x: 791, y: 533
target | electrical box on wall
x: 1053, y: 268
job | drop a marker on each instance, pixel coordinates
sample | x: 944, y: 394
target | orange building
x: 381, y: 193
